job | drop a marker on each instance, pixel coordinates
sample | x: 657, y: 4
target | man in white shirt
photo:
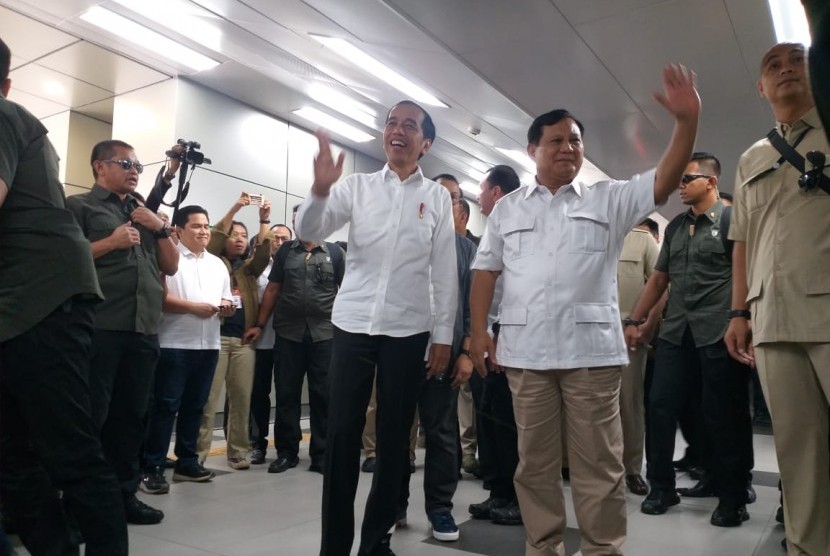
x: 401, y: 242
x: 556, y: 242
x: 195, y: 298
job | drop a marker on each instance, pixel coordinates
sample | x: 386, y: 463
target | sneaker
x: 443, y: 526
x: 194, y: 472
x: 257, y: 456
x: 139, y: 513
x: 238, y: 463
x: 153, y: 481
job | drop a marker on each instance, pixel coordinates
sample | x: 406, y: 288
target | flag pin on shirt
x: 421, y: 208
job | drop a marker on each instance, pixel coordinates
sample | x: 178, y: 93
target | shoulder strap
x: 673, y: 226
x: 725, y: 218
x: 788, y: 152
x: 336, y: 261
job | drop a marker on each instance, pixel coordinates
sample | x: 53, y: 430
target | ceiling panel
x: 57, y: 87
x: 38, y: 106
x: 580, y: 11
x: 17, y: 31
x: 101, y: 68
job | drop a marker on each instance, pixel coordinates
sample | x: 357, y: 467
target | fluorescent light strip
x: 332, y: 124
x: 790, y: 21
x: 471, y: 189
x: 520, y: 157
x: 336, y: 100
x: 189, y: 19
x: 365, y: 62
x: 146, y: 38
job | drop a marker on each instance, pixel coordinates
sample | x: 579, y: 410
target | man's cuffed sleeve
x: 319, y: 217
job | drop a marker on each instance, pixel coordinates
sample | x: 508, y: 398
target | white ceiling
x: 496, y: 63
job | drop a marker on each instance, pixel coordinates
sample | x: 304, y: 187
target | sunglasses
x: 689, y: 178
x: 127, y: 164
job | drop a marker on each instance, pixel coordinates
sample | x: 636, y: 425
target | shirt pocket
x: 596, y: 329
x: 517, y: 234
x: 758, y: 191
x: 712, y: 251
x: 588, y: 231
x: 511, y: 343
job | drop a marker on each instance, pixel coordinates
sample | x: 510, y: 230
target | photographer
x: 229, y: 240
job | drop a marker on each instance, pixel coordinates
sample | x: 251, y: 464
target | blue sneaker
x: 443, y: 526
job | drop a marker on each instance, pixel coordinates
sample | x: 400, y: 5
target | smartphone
x: 256, y: 199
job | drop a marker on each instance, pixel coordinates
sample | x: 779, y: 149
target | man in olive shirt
x: 132, y: 248
x: 781, y: 266
x: 301, y: 288
x: 48, y: 291
x: 692, y: 361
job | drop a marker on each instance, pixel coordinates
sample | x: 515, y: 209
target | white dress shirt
x: 558, y: 256
x: 201, y: 278
x: 401, y: 241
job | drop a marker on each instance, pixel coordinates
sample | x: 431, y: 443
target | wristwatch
x: 465, y: 352
x: 632, y: 322
x: 164, y: 233
x: 745, y: 313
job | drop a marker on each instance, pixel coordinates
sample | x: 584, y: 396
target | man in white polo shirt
x: 556, y: 243
x: 194, y: 300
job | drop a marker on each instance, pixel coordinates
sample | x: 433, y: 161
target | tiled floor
x: 253, y: 513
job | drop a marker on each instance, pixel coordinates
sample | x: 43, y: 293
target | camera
x: 191, y: 154
x: 814, y: 177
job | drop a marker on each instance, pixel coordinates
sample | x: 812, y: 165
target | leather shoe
x: 139, y: 513
x: 316, y: 468
x: 257, y: 456
x: 509, y: 514
x: 636, y: 484
x: 696, y: 473
x: 750, y: 494
x: 683, y: 464
x: 482, y: 509
x: 283, y: 463
x: 658, y: 502
x: 368, y: 465
x: 703, y: 489
x: 729, y: 516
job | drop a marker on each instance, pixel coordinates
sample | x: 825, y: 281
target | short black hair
x: 725, y: 195
x: 465, y: 207
x: 5, y: 61
x: 290, y: 233
x: 505, y: 177
x: 106, y: 149
x: 707, y: 161
x: 182, y: 215
x: 653, y: 226
x: 449, y: 177
x: 534, y: 132
x: 428, y: 126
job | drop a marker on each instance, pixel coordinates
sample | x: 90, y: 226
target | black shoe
x: 751, y: 497
x: 482, y: 509
x: 283, y: 463
x: 636, y: 484
x: 729, y: 516
x: 779, y: 515
x: 784, y: 544
x: 257, y: 456
x: 684, y: 464
x: 139, y: 513
x: 566, y: 473
x: 169, y: 463
x: 659, y: 501
x: 411, y: 467
x: 509, y: 514
x: 153, y: 481
x: 194, y: 472
x: 696, y: 473
x: 703, y: 489
x: 368, y: 465
x: 383, y: 548
x: 316, y: 468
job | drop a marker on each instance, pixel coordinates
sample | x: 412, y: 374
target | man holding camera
x: 781, y: 264
x: 131, y: 246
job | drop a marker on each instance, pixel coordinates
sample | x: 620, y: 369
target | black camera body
x: 814, y: 177
x: 191, y: 154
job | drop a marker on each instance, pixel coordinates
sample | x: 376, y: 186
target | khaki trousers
x: 235, y: 370
x: 467, y: 420
x: 632, y: 411
x: 591, y: 399
x: 795, y: 378
x: 369, y: 437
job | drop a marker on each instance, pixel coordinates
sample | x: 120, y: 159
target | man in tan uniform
x: 781, y: 272
x: 636, y: 263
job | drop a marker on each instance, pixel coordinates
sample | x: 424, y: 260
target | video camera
x: 191, y: 154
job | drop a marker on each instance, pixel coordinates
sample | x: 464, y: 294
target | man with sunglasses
x: 692, y: 366
x: 132, y: 248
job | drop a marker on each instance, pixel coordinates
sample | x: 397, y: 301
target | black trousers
x: 296, y: 361
x: 400, y: 372
x: 438, y: 413
x: 498, y: 442
x: 264, y: 373
x: 48, y: 442
x: 723, y: 385
x: 121, y: 379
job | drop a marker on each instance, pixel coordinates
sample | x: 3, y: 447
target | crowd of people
x: 523, y: 353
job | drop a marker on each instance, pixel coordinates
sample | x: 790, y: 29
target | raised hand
x: 326, y: 170
x: 679, y: 95
x: 265, y: 209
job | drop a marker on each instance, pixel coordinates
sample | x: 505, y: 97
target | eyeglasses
x: 127, y: 164
x: 689, y: 178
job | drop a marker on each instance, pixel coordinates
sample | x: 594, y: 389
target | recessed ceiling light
x: 344, y: 104
x: 368, y: 64
x: 146, y: 38
x: 190, y: 20
x: 332, y: 124
x: 54, y: 88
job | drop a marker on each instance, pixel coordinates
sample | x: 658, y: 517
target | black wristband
x: 264, y: 221
x: 744, y: 313
x: 164, y: 233
x: 632, y: 322
x: 465, y: 352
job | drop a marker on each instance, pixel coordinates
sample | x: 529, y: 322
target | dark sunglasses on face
x: 127, y: 164
x: 689, y: 178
